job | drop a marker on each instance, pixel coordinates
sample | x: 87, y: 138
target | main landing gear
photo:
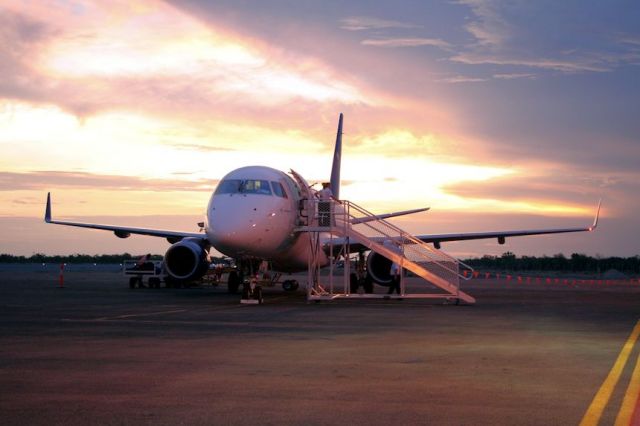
x: 235, y: 279
x: 290, y: 285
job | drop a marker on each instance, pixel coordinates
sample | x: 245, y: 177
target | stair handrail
x: 403, y: 235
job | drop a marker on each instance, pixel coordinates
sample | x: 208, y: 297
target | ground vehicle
x: 136, y: 270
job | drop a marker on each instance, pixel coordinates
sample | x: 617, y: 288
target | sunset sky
x: 498, y: 115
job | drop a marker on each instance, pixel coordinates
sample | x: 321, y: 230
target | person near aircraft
x: 395, y: 278
x: 263, y: 271
x: 325, y: 194
x: 324, y: 205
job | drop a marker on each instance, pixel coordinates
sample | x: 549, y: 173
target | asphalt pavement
x: 97, y: 352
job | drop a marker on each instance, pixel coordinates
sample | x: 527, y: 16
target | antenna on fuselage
x: 337, y: 156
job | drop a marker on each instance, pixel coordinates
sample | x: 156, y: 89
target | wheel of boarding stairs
x: 154, y: 282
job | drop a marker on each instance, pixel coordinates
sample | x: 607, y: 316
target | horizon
x: 131, y: 114
x: 133, y: 255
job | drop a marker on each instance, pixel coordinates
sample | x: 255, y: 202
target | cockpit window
x: 278, y: 189
x: 229, y: 186
x: 255, y: 187
x: 246, y: 186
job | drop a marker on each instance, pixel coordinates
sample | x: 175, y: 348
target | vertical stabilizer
x: 47, y: 212
x: 337, y: 157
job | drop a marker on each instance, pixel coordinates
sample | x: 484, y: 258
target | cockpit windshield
x: 243, y: 186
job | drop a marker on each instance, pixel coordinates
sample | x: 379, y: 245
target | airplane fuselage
x: 253, y: 213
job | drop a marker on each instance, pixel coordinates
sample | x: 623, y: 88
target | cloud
x: 406, y: 42
x: 20, y: 38
x: 635, y: 41
x: 488, y: 27
x: 530, y: 187
x: 502, y: 31
x: 547, y: 188
x: 565, y: 66
x: 27, y: 201
x: 48, y: 180
x: 159, y: 59
x: 360, y: 23
x: 462, y: 79
x: 201, y: 147
x: 398, y: 143
x: 513, y: 76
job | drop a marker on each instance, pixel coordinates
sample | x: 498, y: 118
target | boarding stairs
x: 353, y: 224
x: 349, y: 222
x: 397, y: 245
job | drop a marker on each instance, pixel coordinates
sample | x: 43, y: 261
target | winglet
x: 595, y: 221
x: 335, y: 168
x: 47, y: 212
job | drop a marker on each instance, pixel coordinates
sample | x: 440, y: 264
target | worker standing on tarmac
x: 263, y: 270
x: 395, y: 278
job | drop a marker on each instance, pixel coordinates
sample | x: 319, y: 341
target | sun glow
x: 145, y: 91
x: 388, y: 182
x: 165, y: 43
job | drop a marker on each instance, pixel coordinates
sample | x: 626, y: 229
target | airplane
x: 254, y: 214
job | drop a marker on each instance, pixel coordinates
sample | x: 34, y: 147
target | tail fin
x: 47, y: 211
x: 337, y: 156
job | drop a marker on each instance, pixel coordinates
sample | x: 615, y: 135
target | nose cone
x: 230, y: 225
x: 242, y: 226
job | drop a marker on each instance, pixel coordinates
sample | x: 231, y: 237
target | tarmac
x: 97, y: 352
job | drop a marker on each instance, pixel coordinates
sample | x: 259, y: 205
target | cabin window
x: 278, y: 189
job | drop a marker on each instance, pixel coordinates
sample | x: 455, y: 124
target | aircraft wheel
x: 132, y: 282
x: 290, y: 285
x: 368, y: 285
x: 258, y: 294
x: 353, y: 282
x: 154, y: 282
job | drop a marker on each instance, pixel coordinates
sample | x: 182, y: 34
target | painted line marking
x: 148, y: 314
x: 630, y: 398
x: 600, y: 401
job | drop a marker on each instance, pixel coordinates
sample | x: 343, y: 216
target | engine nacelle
x: 379, y: 268
x: 186, y: 260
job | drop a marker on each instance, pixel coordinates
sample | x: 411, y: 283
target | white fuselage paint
x: 244, y: 224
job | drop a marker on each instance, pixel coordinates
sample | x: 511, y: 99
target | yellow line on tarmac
x: 630, y: 398
x: 594, y: 412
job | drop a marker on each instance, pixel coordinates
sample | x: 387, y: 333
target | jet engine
x: 379, y: 268
x: 186, y: 260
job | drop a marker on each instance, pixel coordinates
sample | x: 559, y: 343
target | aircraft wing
x: 436, y: 239
x: 387, y: 215
x: 124, y: 231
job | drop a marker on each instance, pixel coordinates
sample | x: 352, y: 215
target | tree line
x: 74, y: 258
x: 506, y: 262
x: 558, y: 262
